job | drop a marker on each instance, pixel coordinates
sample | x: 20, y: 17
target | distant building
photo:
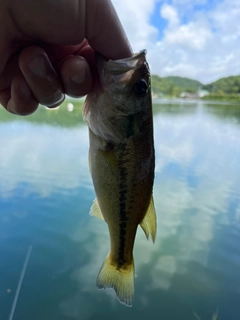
x: 199, y: 94
x: 202, y: 93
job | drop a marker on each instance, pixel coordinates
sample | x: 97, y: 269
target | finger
x: 41, y: 76
x: 5, y: 96
x: 76, y: 76
x: 22, y: 101
x: 69, y: 22
x: 104, y: 31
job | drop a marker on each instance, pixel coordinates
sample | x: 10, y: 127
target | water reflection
x: 46, y: 193
x: 44, y: 157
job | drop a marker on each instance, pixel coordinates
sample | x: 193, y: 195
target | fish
x: 118, y: 113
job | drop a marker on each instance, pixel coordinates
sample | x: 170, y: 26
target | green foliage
x: 220, y: 96
x: 173, y: 86
x: 229, y: 85
x: 58, y: 117
x: 224, y: 89
x: 189, y: 84
x: 161, y: 86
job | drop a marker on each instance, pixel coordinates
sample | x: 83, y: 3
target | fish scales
x: 121, y: 160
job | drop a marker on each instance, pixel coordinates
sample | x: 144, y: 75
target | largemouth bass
x: 118, y: 113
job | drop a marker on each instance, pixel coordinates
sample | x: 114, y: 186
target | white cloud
x: 189, y: 3
x: 225, y: 16
x: 191, y: 36
x: 134, y: 16
x: 201, y: 43
x: 169, y: 13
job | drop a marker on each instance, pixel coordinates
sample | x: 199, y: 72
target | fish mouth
x: 120, y: 66
x: 119, y: 70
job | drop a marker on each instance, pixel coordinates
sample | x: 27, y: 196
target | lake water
x: 193, y: 269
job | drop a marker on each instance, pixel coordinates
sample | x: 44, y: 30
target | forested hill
x: 229, y: 85
x: 185, y: 82
x: 174, y: 86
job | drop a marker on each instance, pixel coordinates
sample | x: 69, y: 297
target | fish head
x: 120, y: 100
x: 126, y: 82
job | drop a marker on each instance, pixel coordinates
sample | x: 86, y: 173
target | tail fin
x: 120, y: 279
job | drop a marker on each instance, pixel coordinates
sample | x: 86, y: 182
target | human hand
x: 47, y: 49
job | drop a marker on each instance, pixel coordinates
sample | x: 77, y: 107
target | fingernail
x: 24, y: 88
x: 78, y: 78
x: 58, y: 100
x: 10, y: 107
x: 38, y: 66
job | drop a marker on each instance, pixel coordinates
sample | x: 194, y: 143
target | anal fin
x: 149, y: 223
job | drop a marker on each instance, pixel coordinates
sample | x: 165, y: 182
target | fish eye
x: 141, y: 87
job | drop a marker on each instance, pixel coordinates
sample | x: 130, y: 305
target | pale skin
x: 47, y: 49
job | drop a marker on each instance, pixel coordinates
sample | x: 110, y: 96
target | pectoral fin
x: 112, y: 162
x: 148, y: 223
x: 95, y: 210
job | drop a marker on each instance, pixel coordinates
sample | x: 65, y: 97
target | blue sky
x: 157, y: 21
x: 199, y: 39
x: 160, y: 23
